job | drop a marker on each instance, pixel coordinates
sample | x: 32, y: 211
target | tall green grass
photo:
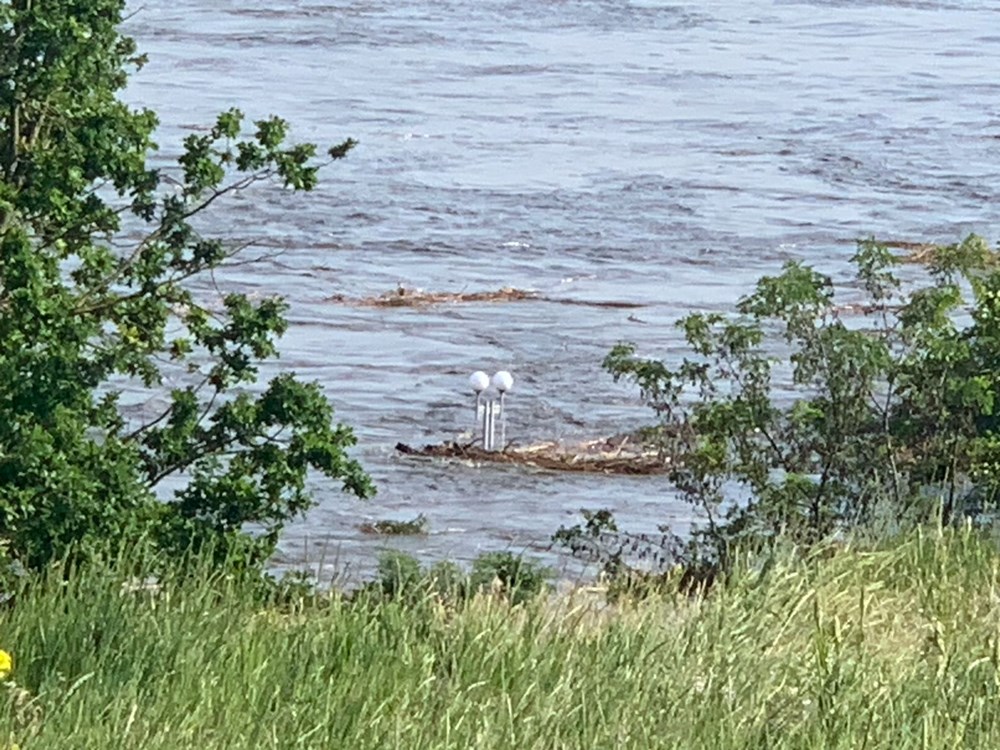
x: 849, y: 648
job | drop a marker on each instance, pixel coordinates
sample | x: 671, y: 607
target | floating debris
x: 621, y: 454
x: 914, y: 252
x: 858, y: 308
x: 405, y: 297
x: 613, y: 304
x: 415, y: 527
x: 927, y: 253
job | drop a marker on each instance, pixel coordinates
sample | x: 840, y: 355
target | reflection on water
x: 658, y: 153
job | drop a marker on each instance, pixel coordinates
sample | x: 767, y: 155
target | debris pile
x: 620, y: 454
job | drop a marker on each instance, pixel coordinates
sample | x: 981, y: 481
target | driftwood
x: 913, y: 252
x: 415, y: 527
x: 616, y: 455
x: 925, y: 253
x: 404, y: 297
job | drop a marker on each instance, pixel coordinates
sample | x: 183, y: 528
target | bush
x: 98, y: 253
x: 803, y: 418
x: 399, y: 575
x: 513, y: 576
x: 401, y: 578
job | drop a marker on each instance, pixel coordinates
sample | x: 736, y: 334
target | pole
x: 503, y: 425
x: 479, y: 415
x: 488, y: 426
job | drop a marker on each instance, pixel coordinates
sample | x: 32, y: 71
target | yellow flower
x: 6, y: 664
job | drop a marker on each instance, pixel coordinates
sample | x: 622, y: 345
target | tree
x: 86, y: 309
x: 802, y: 418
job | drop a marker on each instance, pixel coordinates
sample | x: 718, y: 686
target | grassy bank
x: 852, y: 648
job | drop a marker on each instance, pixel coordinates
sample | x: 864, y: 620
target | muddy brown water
x: 661, y: 154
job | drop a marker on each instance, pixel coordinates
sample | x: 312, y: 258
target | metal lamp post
x: 502, y: 381
x: 488, y: 410
x: 479, y: 381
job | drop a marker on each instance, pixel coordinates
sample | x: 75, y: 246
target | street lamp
x: 486, y: 412
x: 479, y: 381
x: 503, y: 381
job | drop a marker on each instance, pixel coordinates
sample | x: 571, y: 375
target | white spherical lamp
x: 503, y: 381
x: 479, y: 381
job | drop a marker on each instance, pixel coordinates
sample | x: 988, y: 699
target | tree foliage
x: 801, y: 418
x: 98, y: 255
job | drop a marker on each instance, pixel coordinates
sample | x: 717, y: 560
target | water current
x: 658, y: 153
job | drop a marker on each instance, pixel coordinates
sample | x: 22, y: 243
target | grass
x: 895, y: 647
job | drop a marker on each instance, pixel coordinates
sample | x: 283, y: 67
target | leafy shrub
x: 401, y: 578
x: 635, y: 565
x: 98, y: 254
x: 399, y: 574
x: 514, y: 576
x: 448, y: 581
x: 801, y: 418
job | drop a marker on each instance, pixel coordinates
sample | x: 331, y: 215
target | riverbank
x: 892, y: 647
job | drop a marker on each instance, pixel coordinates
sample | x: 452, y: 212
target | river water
x: 658, y: 153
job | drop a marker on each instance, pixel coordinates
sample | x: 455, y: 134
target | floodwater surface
x: 657, y: 153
